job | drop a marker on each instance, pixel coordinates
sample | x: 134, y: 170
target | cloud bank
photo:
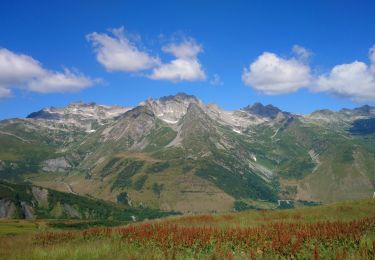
x: 22, y: 71
x: 272, y: 75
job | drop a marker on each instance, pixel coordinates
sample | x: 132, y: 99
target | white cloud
x: 22, y: 71
x: 273, y: 75
x: 355, y: 80
x: 179, y: 70
x: 67, y: 81
x: 301, y: 52
x: 216, y: 80
x: 185, y: 66
x: 18, y: 68
x: 186, y: 49
x: 117, y: 53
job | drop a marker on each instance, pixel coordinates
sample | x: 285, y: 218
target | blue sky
x: 50, y: 55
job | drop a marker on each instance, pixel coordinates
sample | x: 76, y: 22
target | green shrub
x: 123, y: 198
x: 157, y: 188
x: 157, y: 167
x: 139, y: 183
x: 242, y: 206
x: 130, y: 168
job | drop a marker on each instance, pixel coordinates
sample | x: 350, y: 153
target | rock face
x: 259, y: 109
x: 7, y: 208
x: 27, y: 210
x: 41, y: 195
x: 82, y: 115
x: 171, y: 109
x: 365, y: 110
x: 56, y: 165
x: 71, y: 211
x: 129, y: 129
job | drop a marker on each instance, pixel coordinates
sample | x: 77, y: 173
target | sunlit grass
x: 339, y: 231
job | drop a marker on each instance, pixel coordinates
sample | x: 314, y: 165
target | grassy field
x: 338, y: 231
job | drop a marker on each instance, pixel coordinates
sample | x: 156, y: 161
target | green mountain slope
x: 28, y: 201
x: 176, y: 153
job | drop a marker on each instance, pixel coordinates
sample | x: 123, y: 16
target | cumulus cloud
x: 354, y: 80
x: 273, y: 75
x: 179, y: 70
x: 22, y: 71
x: 185, y: 66
x: 117, y: 53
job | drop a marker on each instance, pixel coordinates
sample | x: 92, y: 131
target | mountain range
x: 176, y: 153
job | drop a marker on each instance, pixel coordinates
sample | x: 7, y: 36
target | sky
x: 297, y: 55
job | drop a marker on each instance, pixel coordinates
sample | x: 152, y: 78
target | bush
x: 157, y: 188
x: 158, y: 167
x: 139, y: 183
x: 241, y: 206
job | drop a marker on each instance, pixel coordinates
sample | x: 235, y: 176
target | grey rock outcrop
x: 7, y: 208
x: 56, y: 165
x: 41, y: 196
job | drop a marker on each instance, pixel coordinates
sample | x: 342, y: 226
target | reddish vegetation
x: 285, y: 239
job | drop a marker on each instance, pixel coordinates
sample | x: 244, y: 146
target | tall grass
x: 287, y: 240
x: 341, y: 231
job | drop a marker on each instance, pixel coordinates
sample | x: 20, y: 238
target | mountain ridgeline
x: 176, y: 153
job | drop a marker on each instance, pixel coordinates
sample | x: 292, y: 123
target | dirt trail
x: 19, y: 138
x: 67, y: 185
x: 140, y: 156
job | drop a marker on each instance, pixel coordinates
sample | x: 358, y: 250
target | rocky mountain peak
x: 261, y: 110
x: 44, y: 114
x: 79, y: 110
x: 325, y: 112
x: 181, y: 97
x: 364, y: 110
x: 172, y: 108
x: 77, y: 104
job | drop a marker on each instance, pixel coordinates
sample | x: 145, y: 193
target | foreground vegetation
x: 339, y: 231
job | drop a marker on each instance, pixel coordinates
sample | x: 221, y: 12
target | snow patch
x: 253, y: 157
x: 170, y: 121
